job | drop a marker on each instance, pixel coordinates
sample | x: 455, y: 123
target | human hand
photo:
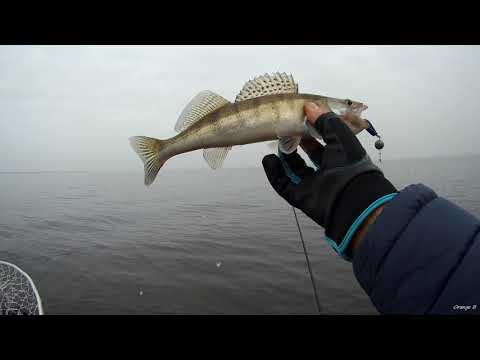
x: 345, y: 184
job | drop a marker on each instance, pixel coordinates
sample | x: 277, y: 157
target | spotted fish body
x: 212, y: 123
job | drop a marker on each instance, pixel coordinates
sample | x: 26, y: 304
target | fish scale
x: 267, y: 108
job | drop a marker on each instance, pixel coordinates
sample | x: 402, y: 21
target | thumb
x: 313, y: 111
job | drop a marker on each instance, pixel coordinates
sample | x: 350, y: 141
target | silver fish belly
x: 248, y: 122
x: 268, y: 108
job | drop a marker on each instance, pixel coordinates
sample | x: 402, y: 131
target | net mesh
x: 18, y: 295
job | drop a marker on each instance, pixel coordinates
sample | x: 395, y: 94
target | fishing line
x: 379, y: 144
x: 317, y: 302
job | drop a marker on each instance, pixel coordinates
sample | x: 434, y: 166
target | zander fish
x: 269, y: 107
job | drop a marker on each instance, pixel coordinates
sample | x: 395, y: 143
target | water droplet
x: 219, y: 263
x: 141, y: 293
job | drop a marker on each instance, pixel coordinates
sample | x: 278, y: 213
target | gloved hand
x: 345, y: 188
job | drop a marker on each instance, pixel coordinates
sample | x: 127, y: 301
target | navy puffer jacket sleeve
x: 421, y: 256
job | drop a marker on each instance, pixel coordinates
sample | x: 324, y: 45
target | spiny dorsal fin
x: 216, y: 156
x: 203, y: 104
x: 268, y: 85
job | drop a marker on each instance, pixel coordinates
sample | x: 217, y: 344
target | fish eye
x: 349, y: 102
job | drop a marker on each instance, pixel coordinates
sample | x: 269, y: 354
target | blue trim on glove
x: 340, y: 249
x: 295, y: 179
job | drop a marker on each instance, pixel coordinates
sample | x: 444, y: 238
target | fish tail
x: 150, y: 151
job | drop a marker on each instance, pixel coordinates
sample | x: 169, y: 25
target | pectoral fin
x: 273, y: 146
x: 288, y: 144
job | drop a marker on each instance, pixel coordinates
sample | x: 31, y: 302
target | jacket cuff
x: 360, y: 194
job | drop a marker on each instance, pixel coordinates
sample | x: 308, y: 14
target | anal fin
x: 216, y: 156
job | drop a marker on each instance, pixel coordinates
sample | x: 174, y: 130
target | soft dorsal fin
x: 268, y: 85
x: 203, y: 104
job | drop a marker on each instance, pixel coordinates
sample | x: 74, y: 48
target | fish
x: 269, y: 108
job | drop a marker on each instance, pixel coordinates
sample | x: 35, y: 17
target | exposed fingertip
x: 312, y: 111
x: 310, y: 106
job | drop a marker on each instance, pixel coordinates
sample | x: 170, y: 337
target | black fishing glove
x: 342, y: 192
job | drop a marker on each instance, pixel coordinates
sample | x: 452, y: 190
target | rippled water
x: 196, y: 242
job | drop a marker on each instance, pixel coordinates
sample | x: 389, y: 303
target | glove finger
x: 337, y: 134
x: 277, y: 177
x: 313, y: 149
x: 354, y: 122
x: 295, y: 165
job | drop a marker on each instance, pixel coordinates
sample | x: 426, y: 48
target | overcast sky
x: 74, y: 107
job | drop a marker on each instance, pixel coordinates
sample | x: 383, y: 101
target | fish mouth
x: 362, y: 107
x: 359, y: 109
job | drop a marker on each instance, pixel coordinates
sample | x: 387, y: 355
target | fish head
x: 350, y: 112
x: 346, y: 106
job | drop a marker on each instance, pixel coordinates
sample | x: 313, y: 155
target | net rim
x: 35, y: 291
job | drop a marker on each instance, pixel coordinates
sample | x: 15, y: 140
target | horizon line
x: 232, y: 168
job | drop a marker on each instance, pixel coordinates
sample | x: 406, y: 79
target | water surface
x: 196, y: 242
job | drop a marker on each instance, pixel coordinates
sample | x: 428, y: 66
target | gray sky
x: 74, y: 107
